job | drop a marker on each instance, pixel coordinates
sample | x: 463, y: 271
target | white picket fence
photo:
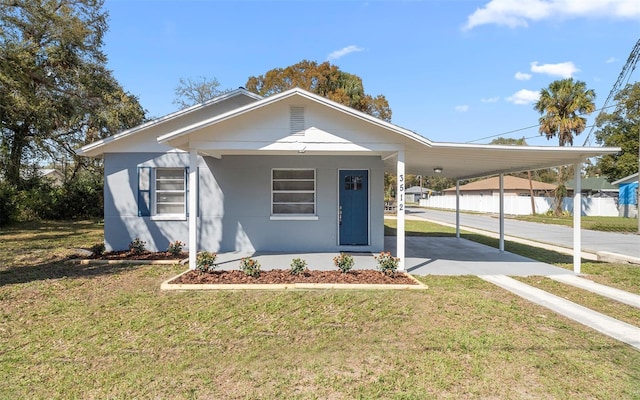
x: 520, y: 205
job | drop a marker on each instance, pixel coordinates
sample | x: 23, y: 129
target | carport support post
x: 193, y: 207
x: 501, y: 212
x: 400, y: 182
x: 577, y: 218
x: 458, y: 209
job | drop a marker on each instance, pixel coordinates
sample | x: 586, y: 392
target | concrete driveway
x: 457, y: 256
x: 627, y: 245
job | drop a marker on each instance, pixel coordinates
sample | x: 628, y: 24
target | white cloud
x: 521, y: 76
x: 343, y: 52
x: 462, y: 108
x: 564, y: 70
x: 524, y: 96
x: 519, y: 13
x: 490, y: 99
x: 611, y: 60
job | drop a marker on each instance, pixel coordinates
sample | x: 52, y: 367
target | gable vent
x: 296, y: 120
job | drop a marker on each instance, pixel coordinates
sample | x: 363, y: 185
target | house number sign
x: 401, y: 192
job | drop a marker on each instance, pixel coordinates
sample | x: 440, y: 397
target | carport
x: 465, y: 161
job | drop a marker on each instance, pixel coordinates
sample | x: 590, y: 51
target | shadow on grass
x: 57, y: 270
x: 534, y: 253
x: 391, y: 231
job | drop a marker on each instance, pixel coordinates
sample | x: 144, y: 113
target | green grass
x: 108, y: 332
x: 607, y: 224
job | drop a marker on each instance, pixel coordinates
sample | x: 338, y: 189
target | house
x: 53, y: 175
x: 415, y: 193
x: 290, y: 172
x: 594, y: 186
x: 513, y: 186
x: 628, y: 195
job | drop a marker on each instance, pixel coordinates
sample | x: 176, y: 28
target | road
x: 592, y: 241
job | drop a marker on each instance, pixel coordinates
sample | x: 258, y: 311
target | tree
x: 325, y: 80
x: 621, y: 128
x: 562, y: 105
x: 190, y: 91
x: 55, y: 92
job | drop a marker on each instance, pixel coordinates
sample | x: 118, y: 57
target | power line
x: 627, y: 70
x: 535, y: 126
x: 538, y: 136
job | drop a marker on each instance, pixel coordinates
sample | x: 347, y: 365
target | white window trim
x: 154, y: 197
x: 295, y: 217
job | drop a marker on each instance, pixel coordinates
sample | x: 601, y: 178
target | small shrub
x: 137, y: 246
x: 298, y: 266
x: 387, y: 263
x: 250, y: 267
x: 344, y: 262
x: 206, y: 261
x: 175, y: 248
x: 97, y: 249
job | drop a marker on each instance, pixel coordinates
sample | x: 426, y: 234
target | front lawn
x: 70, y: 331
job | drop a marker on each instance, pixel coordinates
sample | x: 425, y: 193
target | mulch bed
x: 280, y: 276
x: 144, y: 256
x: 276, y: 276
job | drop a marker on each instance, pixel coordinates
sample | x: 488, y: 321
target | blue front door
x: 354, y: 207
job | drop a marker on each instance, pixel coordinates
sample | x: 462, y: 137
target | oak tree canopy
x: 324, y: 79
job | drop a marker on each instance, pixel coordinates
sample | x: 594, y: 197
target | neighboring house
x: 593, y: 187
x: 292, y: 172
x: 628, y: 195
x: 53, y: 175
x: 415, y: 193
x: 513, y: 186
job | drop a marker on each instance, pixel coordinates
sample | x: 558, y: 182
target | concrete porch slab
x: 424, y: 256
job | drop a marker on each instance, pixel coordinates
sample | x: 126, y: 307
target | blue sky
x: 452, y: 70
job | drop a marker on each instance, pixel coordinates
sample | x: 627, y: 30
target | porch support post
x: 501, y: 212
x: 400, y: 182
x: 577, y: 219
x: 458, y: 209
x: 193, y: 207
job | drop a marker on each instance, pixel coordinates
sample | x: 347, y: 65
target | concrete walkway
x: 609, y: 326
x: 612, y: 293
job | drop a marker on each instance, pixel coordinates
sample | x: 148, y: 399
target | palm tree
x: 561, y: 106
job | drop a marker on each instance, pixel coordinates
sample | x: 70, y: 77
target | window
x: 352, y: 182
x: 170, y: 193
x: 293, y: 192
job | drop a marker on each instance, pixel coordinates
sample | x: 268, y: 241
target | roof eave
x: 93, y: 149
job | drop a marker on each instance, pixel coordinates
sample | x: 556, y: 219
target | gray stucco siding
x: 121, y: 221
x: 243, y: 187
x: 235, y: 204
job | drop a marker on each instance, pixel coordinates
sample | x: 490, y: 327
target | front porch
x: 423, y: 256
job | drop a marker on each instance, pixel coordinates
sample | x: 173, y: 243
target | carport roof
x: 463, y: 161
